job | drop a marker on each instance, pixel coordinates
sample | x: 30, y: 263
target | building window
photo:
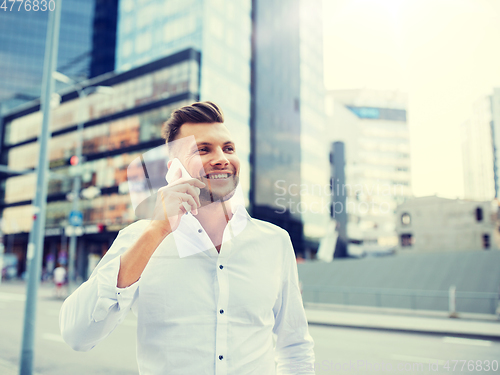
x: 486, y: 241
x: 479, y: 214
x: 406, y: 219
x: 406, y: 240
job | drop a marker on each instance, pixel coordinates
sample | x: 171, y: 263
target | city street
x: 114, y: 356
x: 337, y: 158
x: 338, y: 350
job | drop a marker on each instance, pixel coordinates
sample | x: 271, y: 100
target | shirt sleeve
x: 96, y: 308
x: 294, y: 344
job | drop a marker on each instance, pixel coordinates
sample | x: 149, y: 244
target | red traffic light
x: 73, y: 160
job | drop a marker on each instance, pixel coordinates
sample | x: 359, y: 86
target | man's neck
x: 214, y: 218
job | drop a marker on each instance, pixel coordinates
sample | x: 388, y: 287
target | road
x: 114, y: 356
x: 350, y: 351
x: 338, y: 350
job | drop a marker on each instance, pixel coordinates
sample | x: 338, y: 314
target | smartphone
x: 172, y: 175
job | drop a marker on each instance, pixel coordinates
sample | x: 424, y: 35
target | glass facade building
x: 86, y: 46
x: 117, y: 129
x: 220, y: 30
x: 290, y: 152
x: 313, y: 144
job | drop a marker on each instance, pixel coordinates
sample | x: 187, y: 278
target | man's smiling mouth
x: 218, y: 176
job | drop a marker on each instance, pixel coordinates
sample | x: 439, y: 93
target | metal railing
x: 474, y: 302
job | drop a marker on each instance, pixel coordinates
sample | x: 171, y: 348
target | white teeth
x: 216, y: 176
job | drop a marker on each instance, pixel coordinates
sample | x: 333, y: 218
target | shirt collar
x: 237, y: 204
x: 192, y: 239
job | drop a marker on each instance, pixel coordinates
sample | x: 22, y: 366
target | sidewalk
x: 14, y: 290
x: 483, y: 327
x: 8, y: 368
x: 46, y: 290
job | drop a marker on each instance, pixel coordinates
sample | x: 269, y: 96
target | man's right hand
x: 168, y: 212
x: 169, y: 206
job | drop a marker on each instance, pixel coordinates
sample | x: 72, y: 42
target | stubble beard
x: 208, y: 196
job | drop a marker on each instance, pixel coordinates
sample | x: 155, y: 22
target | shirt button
x: 220, y: 357
x: 200, y: 230
x: 221, y: 311
x: 221, y: 266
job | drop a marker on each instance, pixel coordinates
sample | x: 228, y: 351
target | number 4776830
x: 471, y: 365
x: 27, y: 5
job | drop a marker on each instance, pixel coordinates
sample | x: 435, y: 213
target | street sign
x: 76, y: 218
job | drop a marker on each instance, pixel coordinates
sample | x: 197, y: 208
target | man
x: 218, y: 310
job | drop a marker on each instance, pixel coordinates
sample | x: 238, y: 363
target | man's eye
x: 203, y: 149
x: 230, y: 148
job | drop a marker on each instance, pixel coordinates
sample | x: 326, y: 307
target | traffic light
x: 73, y: 160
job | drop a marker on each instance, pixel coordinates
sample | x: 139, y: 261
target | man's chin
x: 224, y: 197
x: 208, y: 196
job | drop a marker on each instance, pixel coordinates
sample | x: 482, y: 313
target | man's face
x: 212, y: 159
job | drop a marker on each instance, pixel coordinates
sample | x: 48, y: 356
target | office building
x: 86, y: 45
x: 481, y: 149
x: 117, y: 129
x: 289, y: 151
x: 434, y: 224
x: 373, y: 126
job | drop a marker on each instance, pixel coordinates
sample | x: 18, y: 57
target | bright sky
x: 444, y: 53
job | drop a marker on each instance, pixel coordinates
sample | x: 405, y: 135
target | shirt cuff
x: 108, y: 294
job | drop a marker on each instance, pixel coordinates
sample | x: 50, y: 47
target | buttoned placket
x: 222, y: 283
x: 222, y: 270
x: 221, y: 324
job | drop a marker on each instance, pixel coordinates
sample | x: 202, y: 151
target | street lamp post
x: 37, y: 233
x: 82, y: 95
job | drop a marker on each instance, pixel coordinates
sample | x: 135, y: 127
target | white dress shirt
x: 199, y: 312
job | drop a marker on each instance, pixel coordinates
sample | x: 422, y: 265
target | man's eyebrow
x: 210, y: 144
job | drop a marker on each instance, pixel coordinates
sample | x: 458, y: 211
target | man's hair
x: 197, y: 113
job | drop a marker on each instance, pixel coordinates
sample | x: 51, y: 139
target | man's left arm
x: 294, y: 345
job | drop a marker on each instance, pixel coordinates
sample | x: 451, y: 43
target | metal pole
x: 452, y: 305
x: 339, y: 199
x: 339, y: 190
x: 35, y: 248
x: 76, y: 194
x: 2, y: 250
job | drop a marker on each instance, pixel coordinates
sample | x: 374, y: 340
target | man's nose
x: 220, y: 158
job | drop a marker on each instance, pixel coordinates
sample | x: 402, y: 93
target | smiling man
x: 233, y: 306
